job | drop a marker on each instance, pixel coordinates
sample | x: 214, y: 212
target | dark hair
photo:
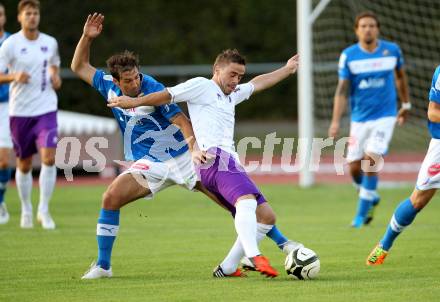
x: 366, y: 14
x: 230, y: 56
x: 24, y: 3
x: 121, y: 62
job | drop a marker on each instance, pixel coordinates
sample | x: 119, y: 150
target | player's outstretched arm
x: 339, y: 105
x: 153, y: 99
x: 434, y: 112
x: 81, y: 58
x: 268, y: 80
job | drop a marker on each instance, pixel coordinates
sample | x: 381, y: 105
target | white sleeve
x: 4, y: 56
x: 243, y: 92
x: 188, y: 91
x: 55, y: 58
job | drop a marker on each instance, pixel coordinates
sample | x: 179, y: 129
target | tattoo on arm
x: 342, y: 88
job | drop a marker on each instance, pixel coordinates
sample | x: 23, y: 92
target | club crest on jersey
x: 44, y: 48
x: 23, y: 50
x: 434, y: 169
x: 385, y: 52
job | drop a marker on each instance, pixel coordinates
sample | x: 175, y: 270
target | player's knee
x: 111, y: 200
x: 420, y: 199
x: 48, y: 160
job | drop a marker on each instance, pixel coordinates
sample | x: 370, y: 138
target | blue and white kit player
x: 158, y: 147
x: 368, y: 73
x: 5, y: 131
x: 428, y: 181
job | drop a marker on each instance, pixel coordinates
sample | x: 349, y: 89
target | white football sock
x: 48, y: 177
x: 246, y: 226
x: 24, y: 187
x: 232, y: 260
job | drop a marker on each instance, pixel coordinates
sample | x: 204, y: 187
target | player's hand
x: 293, y: 63
x: 56, y: 81
x: 124, y: 102
x: 201, y: 157
x: 402, y: 116
x: 21, y: 77
x: 93, y: 26
x: 333, y: 130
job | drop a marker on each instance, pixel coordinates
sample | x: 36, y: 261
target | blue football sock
x: 367, y: 195
x: 277, y: 236
x: 5, y: 176
x: 403, y: 216
x: 106, y: 231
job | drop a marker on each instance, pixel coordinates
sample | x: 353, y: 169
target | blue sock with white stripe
x: 403, y: 216
x: 367, y: 195
x: 277, y: 237
x: 106, y: 231
x: 5, y: 176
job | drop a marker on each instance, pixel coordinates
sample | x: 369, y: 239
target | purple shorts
x: 226, y: 179
x: 34, y: 132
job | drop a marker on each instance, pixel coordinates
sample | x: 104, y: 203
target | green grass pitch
x: 167, y: 248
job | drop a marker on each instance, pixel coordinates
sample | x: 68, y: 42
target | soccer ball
x: 302, y: 263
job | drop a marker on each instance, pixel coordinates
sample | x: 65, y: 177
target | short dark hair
x: 230, y: 56
x: 121, y: 62
x: 24, y: 3
x: 366, y: 14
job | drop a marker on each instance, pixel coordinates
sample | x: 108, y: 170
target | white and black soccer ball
x: 302, y: 263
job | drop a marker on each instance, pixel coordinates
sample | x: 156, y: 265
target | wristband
x: 406, y: 106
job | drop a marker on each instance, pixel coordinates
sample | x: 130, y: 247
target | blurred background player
x: 428, y: 181
x: 211, y: 105
x: 33, y: 63
x: 369, y: 72
x: 5, y: 132
x: 159, y: 170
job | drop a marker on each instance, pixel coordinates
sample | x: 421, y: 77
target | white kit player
x: 5, y: 133
x: 369, y: 72
x: 33, y: 63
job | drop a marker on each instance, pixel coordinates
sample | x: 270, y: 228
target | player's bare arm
x: 403, y: 92
x: 434, y: 112
x: 268, y: 80
x: 81, y: 58
x: 18, y: 77
x: 153, y: 99
x: 340, y: 103
x: 55, y: 78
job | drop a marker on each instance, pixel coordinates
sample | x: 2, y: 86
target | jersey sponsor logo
x: 372, y: 65
x: 371, y: 83
x: 434, y: 169
x: 23, y: 51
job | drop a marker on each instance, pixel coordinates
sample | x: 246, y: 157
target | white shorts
x: 160, y: 175
x: 5, y: 130
x: 429, y: 173
x: 370, y: 137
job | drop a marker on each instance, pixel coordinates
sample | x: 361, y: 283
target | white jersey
x: 34, y: 57
x: 212, y: 112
